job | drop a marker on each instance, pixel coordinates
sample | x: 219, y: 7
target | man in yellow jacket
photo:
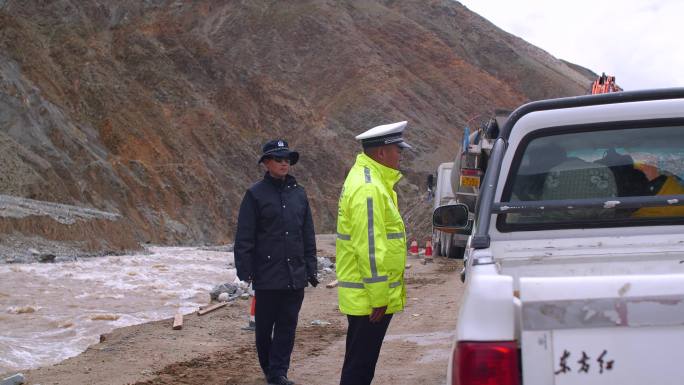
x: 371, y: 250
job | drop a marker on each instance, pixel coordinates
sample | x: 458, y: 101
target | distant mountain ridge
x: 156, y: 110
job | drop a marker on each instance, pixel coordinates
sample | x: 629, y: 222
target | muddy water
x: 439, y: 342
x: 49, y: 312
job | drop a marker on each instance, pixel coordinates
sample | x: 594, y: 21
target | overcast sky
x: 639, y: 42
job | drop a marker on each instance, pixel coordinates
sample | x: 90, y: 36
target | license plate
x: 470, y: 181
x: 619, y: 355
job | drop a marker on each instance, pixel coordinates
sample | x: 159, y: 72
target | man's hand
x: 377, y: 314
x: 313, y: 281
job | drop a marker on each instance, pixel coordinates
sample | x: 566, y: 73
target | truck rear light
x: 486, y: 363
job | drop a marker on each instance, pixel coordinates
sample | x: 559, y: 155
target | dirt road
x: 213, y: 349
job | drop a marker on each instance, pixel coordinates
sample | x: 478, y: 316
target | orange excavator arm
x: 604, y: 84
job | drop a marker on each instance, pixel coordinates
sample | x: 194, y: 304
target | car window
x: 598, y: 163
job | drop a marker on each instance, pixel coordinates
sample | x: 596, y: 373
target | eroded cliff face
x: 156, y: 110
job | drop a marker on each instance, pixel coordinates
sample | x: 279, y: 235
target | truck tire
x: 456, y: 252
x: 451, y: 250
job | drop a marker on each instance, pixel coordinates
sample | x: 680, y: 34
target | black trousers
x: 275, y: 315
x: 364, y: 340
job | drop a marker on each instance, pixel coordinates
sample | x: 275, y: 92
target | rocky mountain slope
x: 155, y: 110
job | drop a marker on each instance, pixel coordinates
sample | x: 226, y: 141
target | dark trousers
x: 364, y: 340
x: 275, y: 315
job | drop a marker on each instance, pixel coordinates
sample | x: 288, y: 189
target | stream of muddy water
x: 50, y: 312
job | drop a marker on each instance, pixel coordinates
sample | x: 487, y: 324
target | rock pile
x: 325, y: 266
x: 230, y: 291
x: 226, y: 292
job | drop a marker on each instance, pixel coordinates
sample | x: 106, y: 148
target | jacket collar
x: 388, y: 175
x: 289, y: 180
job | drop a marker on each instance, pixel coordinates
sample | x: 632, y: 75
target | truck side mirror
x: 430, y: 182
x: 450, y: 217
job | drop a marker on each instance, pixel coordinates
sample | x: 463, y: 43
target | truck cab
x: 574, y: 271
x: 443, y: 195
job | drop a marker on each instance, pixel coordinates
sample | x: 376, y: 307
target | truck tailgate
x: 603, y: 329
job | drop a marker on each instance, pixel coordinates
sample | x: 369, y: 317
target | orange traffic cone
x: 428, y: 249
x: 252, y: 320
x: 414, y: 248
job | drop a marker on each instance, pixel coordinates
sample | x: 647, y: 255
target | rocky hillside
x: 154, y: 111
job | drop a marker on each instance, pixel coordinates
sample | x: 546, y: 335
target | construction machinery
x: 604, y: 84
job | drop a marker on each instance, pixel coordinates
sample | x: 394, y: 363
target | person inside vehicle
x: 664, y: 183
x: 533, y: 171
x: 629, y: 180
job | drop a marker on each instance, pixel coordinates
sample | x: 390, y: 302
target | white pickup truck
x: 574, y: 271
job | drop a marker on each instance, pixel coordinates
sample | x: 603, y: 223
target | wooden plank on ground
x: 178, y: 321
x: 331, y: 284
x: 206, y: 310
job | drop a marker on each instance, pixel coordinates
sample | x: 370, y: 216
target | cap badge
x: 281, y: 144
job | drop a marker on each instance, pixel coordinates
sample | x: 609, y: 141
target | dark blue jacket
x: 275, y: 244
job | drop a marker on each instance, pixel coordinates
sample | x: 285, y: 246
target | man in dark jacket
x: 275, y: 250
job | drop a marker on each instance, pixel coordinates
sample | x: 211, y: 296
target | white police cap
x: 385, y: 134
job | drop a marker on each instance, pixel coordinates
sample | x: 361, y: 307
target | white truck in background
x: 447, y: 242
x: 459, y: 182
x: 574, y: 271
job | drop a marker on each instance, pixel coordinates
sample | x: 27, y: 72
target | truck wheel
x: 438, y: 249
x: 456, y: 252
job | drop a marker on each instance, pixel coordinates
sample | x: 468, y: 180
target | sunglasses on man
x: 280, y: 159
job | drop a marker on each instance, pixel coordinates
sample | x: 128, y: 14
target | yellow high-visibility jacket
x: 672, y: 186
x: 371, y: 241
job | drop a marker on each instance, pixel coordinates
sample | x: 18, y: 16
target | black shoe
x: 280, y: 380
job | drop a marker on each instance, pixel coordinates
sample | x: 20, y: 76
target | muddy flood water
x: 49, y: 312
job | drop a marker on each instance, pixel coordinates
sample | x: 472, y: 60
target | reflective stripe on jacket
x: 371, y: 241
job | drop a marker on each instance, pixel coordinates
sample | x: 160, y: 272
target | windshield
x: 597, y: 163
